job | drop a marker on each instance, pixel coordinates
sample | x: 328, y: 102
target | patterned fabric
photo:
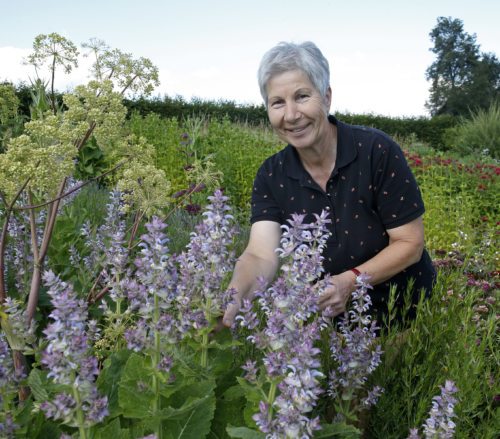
x: 370, y: 190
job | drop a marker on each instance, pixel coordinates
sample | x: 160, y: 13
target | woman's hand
x: 231, y: 311
x: 258, y: 261
x: 337, y: 291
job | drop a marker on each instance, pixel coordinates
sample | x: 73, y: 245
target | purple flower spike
x: 8, y: 385
x: 291, y: 362
x: 355, y: 349
x: 205, y: 264
x: 68, y: 358
x: 440, y: 422
x: 152, y: 291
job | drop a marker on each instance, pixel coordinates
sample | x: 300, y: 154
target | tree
x: 462, y: 78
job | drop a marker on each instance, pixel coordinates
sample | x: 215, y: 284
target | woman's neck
x: 321, y: 159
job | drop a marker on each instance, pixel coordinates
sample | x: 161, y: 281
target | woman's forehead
x: 288, y: 81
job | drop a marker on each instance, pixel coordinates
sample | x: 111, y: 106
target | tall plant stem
x: 271, y: 397
x: 137, y: 221
x: 39, y: 261
x: 80, y: 418
x: 155, y: 362
x: 204, y: 351
x: 204, y: 338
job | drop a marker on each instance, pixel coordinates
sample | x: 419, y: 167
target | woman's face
x: 297, y: 111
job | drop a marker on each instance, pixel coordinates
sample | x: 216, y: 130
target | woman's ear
x: 328, y: 99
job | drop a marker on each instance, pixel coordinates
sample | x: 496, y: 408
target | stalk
x: 80, y: 418
x: 204, y: 351
x: 204, y: 339
x: 118, y: 309
x: 155, y: 360
x: 271, y: 397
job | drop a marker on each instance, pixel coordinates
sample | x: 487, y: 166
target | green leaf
x: 112, y: 430
x: 109, y: 379
x: 196, y: 423
x: 244, y: 433
x: 36, y: 383
x: 174, y: 414
x: 251, y: 392
x: 167, y: 390
x: 47, y: 430
x: 233, y: 393
x: 220, y: 361
x: 228, y: 410
x: 135, y: 396
x: 187, y: 398
x: 193, y: 418
x: 337, y: 430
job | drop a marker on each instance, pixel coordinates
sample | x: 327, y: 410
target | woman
x: 358, y: 174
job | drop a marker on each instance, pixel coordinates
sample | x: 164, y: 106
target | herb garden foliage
x: 110, y: 299
x: 428, y: 130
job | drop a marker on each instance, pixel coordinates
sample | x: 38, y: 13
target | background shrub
x: 478, y: 135
x: 236, y: 149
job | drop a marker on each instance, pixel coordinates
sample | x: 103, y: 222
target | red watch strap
x: 356, y: 271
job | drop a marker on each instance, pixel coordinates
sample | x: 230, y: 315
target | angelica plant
x: 38, y: 163
x: 289, y: 378
x: 69, y: 360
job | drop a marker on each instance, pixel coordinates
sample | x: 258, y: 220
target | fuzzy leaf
x: 251, y: 392
x: 36, y: 384
x: 244, y: 433
x: 111, y: 430
x: 253, y: 397
x: 229, y: 410
x: 337, y: 430
x: 135, y: 396
x: 109, y: 379
x: 193, y: 418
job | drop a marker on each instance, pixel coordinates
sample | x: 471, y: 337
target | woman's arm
x: 406, y: 244
x: 258, y: 260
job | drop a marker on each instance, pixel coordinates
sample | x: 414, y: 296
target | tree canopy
x: 462, y: 77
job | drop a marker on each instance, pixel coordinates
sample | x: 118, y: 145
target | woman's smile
x: 297, y: 111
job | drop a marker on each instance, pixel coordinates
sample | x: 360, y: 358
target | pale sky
x: 378, y: 49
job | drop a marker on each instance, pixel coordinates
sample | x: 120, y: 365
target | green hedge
x: 427, y: 130
x: 179, y: 108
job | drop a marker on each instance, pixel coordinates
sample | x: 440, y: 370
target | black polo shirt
x: 370, y: 190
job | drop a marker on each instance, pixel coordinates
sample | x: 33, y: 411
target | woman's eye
x: 301, y: 97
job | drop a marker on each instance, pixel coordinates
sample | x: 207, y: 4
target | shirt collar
x: 346, y: 153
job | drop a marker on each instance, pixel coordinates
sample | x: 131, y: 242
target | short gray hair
x: 291, y: 56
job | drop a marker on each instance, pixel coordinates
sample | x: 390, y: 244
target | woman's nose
x: 291, y: 112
